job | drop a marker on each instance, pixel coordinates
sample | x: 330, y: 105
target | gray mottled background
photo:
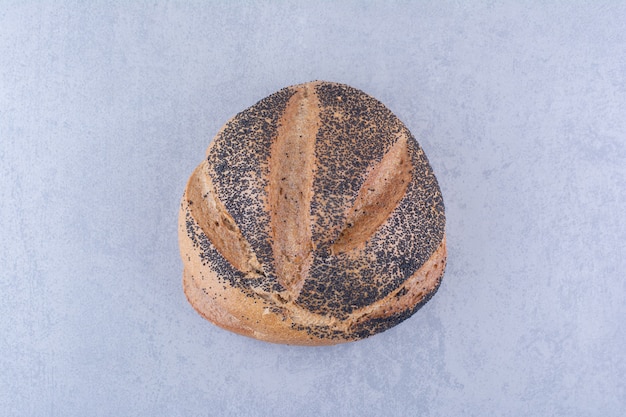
x: 106, y: 108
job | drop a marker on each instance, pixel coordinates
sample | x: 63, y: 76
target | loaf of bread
x: 315, y: 219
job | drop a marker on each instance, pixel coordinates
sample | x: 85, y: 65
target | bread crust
x: 315, y: 219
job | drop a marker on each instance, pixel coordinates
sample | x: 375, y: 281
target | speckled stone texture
x: 106, y: 106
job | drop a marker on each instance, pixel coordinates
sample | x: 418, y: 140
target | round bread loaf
x: 315, y: 219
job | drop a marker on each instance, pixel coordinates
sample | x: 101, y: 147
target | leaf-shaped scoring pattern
x: 323, y: 208
x: 218, y: 225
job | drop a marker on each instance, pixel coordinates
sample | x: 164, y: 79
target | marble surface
x: 106, y: 108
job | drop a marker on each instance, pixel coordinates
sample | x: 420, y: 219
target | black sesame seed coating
x: 238, y: 159
x: 340, y: 284
x: 367, y: 327
x: 223, y: 269
x: 380, y: 324
x: 346, y: 114
x: 355, y: 133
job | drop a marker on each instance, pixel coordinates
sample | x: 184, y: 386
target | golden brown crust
x: 315, y: 219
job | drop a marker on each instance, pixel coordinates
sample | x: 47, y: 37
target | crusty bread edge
x: 263, y: 317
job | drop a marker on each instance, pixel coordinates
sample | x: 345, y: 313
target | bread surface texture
x: 314, y: 219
